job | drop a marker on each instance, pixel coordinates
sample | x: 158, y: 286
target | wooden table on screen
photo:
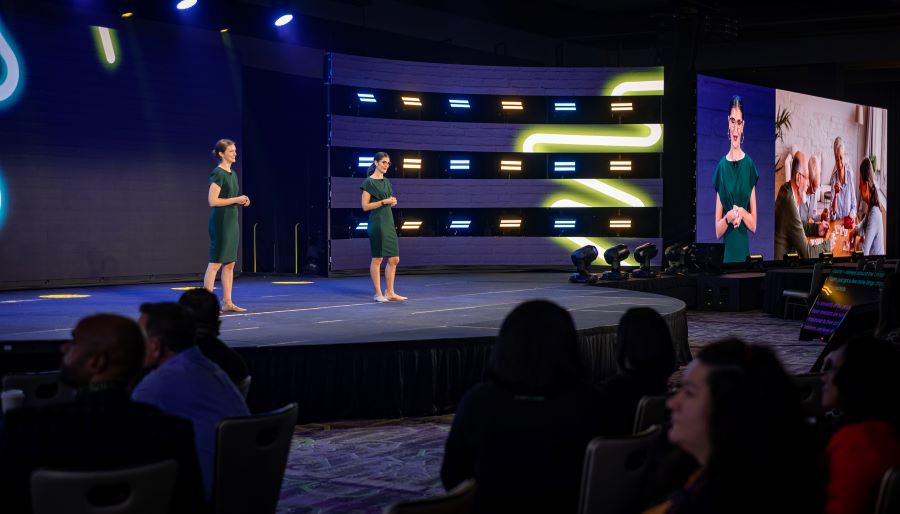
x: 837, y: 249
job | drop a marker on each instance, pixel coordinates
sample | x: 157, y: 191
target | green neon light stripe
x: 597, y: 138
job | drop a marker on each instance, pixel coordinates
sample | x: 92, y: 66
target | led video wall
x: 495, y: 165
x: 105, y: 136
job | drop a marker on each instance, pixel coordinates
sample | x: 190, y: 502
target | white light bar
x: 621, y: 106
x: 363, y: 225
x: 564, y: 106
x: 510, y: 165
x: 456, y: 103
x: 564, y: 224
x: 413, y: 101
x: 365, y: 161
x: 366, y: 97
x: 411, y: 225
x: 510, y: 223
x: 459, y: 164
x: 511, y: 105
x: 620, y: 223
x: 460, y: 223
x: 410, y: 163
x: 619, y: 165
x: 563, y: 165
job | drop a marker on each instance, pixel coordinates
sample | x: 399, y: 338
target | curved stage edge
x: 327, y: 346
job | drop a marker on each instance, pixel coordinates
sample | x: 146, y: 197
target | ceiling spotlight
x: 185, y: 4
x: 284, y: 20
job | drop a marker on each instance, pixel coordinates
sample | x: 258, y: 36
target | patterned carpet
x: 364, y: 466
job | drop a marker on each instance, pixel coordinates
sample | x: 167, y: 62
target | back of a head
x: 756, y: 427
x: 868, y: 380
x: 172, y: 323
x: 644, y: 345
x: 120, y: 338
x: 203, y: 305
x: 536, y: 349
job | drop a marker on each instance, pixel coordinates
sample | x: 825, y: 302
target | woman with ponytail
x: 377, y: 200
x: 870, y: 230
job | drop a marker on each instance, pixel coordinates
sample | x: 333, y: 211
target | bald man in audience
x: 102, y: 428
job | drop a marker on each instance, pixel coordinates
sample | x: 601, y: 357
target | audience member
x: 889, y: 310
x: 204, y: 306
x: 861, y: 382
x: 646, y: 359
x: 102, y: 428
x: 185, y: 383
x: 738, y: 415
x: 523, y: 433
x: 791, y: 231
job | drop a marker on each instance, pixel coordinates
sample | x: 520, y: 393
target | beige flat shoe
x: 230, y: 307
x: 396, y: 297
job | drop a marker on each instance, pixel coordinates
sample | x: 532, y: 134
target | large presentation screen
x: 781, y: 172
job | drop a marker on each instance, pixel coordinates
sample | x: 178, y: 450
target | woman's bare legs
x: 375, y: 273
x: 209, y: 279
x: 227, y: 282
x: 390, y: 271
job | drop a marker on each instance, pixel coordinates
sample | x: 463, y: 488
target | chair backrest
x: 40, y: 389
x: 651, y: 410
x: 816, y: 284
x: 809, y: 386
x: 139, y: 490
x: 458, y: 501
x: 244, y: 385
x: 251, y: 453
x: 614, y: 471
x: 889, y: 494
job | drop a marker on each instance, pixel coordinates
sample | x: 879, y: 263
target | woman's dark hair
x: 644, y: 345
x: 867, y: 177
x: 889, y: 306
x: 536, y: 350
x: 220, y: 147
x: 378, y: 157
x: 736, y: 103
x: 867, y: 381
x: 758, y: 436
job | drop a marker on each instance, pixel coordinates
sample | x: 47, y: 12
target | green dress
x: 224, y: 229
x: 734, y: 181
x: 382, y: 232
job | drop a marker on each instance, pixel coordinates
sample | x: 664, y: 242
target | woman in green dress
x: 224, y: 229
x: 377, y: 200
x: 735, y: 183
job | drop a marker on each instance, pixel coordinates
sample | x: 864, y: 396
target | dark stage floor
x: 339, y: 310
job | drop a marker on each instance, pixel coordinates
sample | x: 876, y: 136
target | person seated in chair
x: 102, y: 428
x: 204, y: 306
x: 522, y: 434
x: 790, y: 230
x: 185, y: 383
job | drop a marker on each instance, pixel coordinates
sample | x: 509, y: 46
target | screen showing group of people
x: 781, y: 173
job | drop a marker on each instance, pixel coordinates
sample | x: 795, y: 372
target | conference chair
x: 138, y: 490
x: 614, y: 471
x: 797, y: 297
x: 44, y: 388
x: 457, y: 501
x: 651, y: 410
x: 251, y: 453
x: 889, y: 494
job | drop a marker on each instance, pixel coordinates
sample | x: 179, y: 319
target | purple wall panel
x: 351, y: 254
x: 417, y: 193
x: 411, y: 76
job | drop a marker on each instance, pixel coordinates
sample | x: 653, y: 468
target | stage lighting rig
x: 582, y: 259
x: 755, y: 262
x: 676, y: 256
x: 643, y: 254
x: 614, y: 257
x: 791, y: 259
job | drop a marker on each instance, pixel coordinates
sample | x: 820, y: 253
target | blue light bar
x: 457, y: 103
x: 460, y: 224
x: 366, y: 97
x: 459, y: 164
x: 363, y: 225
x: 564, y: 106
x: 563, y: 165
x: 365, y: 161
x: 564, y: 223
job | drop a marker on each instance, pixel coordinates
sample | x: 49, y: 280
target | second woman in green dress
x: 377, y: 200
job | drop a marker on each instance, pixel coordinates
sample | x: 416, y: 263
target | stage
x: 324, y: 343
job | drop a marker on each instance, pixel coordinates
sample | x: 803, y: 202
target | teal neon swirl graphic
x: 12, y: 75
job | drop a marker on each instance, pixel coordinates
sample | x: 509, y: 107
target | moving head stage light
x: 582, y: 259
x: 643, y: 254
x: 614, y: 257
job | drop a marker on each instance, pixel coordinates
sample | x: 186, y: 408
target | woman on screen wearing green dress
x: 224, y: 228
x: 377, y: 200
x: 735, y: 184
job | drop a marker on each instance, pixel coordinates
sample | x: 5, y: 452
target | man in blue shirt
x: 185, y: 383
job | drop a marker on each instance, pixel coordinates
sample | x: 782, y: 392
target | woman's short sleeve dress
x: 224, y: 229
x: 382, y: 232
